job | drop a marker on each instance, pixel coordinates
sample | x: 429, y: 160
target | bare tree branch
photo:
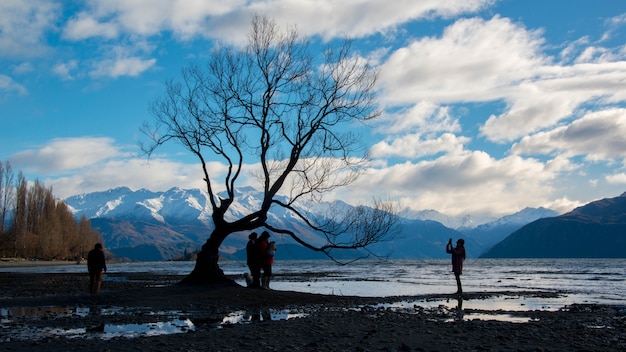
x: 280, y: 105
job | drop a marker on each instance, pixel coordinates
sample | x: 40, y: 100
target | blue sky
x: 489, y: 106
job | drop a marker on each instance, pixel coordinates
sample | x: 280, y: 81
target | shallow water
x: 557, y: 282
x: 582, y: 280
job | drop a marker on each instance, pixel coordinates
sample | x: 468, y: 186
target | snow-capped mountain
x: 453, y: 222
x: 493, y: 232
x: 147, y: 225
x: 124, y: 203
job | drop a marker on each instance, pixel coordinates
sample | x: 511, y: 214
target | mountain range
x: 143, y: 225
x: 595, y: 230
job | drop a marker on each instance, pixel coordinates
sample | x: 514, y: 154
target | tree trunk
x: 207, y: 269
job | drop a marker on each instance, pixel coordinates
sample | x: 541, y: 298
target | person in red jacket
x: 458, y: 256
x: 266, y: 256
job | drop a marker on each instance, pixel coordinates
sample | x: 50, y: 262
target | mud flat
x: 142, y: 311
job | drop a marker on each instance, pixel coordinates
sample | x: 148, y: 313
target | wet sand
x: 33, y: 304
x: 21, y: 263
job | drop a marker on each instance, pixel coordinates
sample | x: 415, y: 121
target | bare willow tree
x: 275, y: 104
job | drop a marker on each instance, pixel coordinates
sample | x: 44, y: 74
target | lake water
x: 579, y: 280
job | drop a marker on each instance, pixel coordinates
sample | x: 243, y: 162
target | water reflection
x: 459, y: 308
x: 175, y: 326
x: 247, y: 316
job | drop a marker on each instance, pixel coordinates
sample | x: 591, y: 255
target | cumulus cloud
x: 455, y: 183
x: 22, y: 68
x: 495, y: 54
x: 65, y: 154
x: 619, y: 178
x: 129, y: 66
x: 23, y: 27
x: 229, y: 19
x: 84, y: 26
x: 555, y: 96
x: 502, y: 61
x: 89, y: 164
x: 135, y: 173
x: 420, y: 130
x: 8, y: 85
x: 596, y: 136
x: 65, y: 69
x: 414, y: 146
x: 425, y: 117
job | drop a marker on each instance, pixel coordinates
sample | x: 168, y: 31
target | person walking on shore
x: 266, y: 254
x: 96, y: 264
x: 252, y: 256
x: 458, y: 256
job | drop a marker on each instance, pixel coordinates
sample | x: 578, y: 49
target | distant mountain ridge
x: 144, y: 225
x: 595, y: 230
x: 487, y: 235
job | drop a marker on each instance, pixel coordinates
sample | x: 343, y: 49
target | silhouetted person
x: 458, y: 256
x: 96, y: 264
x: 253, y: 260
x: 266, y: 252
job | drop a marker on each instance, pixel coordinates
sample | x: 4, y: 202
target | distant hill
x: 595, y: 230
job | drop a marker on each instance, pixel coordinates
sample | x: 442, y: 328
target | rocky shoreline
x: 53, y: 312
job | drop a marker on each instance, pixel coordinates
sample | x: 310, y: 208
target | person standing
x: 266, y: 252
x: 253, y: 261
x: 458, y: 256
x: 96, y: 264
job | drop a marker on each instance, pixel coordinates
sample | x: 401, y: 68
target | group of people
x: 260, y: 256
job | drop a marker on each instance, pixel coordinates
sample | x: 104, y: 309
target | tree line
x: 34, y: 224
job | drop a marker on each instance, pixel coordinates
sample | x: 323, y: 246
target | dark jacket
x: 96, y: 261
x: 252, y: 254
x: 458, y: 256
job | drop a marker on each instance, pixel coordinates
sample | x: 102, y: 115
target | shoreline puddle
x: 26, y: 322
x: 243, y: 317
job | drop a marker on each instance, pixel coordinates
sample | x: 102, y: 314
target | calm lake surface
x: 579, y: 280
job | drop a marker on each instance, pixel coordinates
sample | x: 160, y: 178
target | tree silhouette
x: 275, y: 105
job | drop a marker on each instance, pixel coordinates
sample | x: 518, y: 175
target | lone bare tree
x: 276, y: 105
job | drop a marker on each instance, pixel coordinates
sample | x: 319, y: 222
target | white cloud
x: 64, y: 70
x: 135, y: 173
x: 414, y: 146
x: 230, y: 19
x: 619, y: 178
x: 23, y: 27
x: 555, y: 94
x: 454, y: 184
x: 22, y: 68
x: 83, y: 26
x: 65, y: 154
x: 596, y: 136
x: 129, y: 66
x: 89, y: 164
x: 358, y: 18
x: 424, y: 117
x: 501, y: 61
x: 474, y: 60
x: 8, y: 85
